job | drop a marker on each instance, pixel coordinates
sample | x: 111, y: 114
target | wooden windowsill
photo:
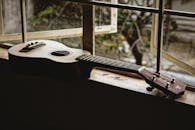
x: 135, y: 84
x: 3, y: 53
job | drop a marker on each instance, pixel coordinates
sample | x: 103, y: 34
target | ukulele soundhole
x: 60, y: 53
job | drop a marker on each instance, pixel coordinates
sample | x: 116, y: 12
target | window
x: 172, y: 60
x: 177, y: 52
x: 55, y: 19
x: 133, y: 35
x: 110, y: 34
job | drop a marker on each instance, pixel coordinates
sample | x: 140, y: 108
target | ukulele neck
x: 109, y: 63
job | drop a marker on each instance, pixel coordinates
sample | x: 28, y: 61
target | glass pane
x: 53, y: 15
x: 10, y: 21
x: 181, y: 5
x: 74, y: 42
x: 102, y: 16
x: 49, y: 15
x: 131, y: 43
x: 11, y: 16
x: 179, y: 42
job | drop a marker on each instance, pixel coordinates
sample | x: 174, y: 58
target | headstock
x: 169, y: 86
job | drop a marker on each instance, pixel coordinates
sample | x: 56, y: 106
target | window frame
x: 185, y: 67
x: 1, y: 16
x: 156, y: 39
x: 157, y: 27
x: 51, y: 34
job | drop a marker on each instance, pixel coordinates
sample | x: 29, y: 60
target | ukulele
x: 54, y: 58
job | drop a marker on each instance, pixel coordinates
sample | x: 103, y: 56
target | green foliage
x: 108, y: 37
x: 56, y: 15
x: 109, y: 42
x: 44, y: 17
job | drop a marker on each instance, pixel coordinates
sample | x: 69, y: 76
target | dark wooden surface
x: 37, y: 102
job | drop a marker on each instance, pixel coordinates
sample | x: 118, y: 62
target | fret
x: 89, y: 59
x: 121, y: 64
x: 110, y: 62
x: 126, y: 65
x: 81, y: 57
x: 86, y: 57
x: 102, y: 60
x: 115, y: 63
x: 98, y: 59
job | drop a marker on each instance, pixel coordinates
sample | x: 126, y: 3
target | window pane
x: 11, y: 16
x: 131, y: 42
x: 179, y: 42
x: 181, y: 5
x: 102, y: 16
x: 74, y: 42
x: 56, y: 15
x: 53, y: 15
x: 10, y: 21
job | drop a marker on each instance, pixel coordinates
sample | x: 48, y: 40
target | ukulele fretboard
x: 107, y: 62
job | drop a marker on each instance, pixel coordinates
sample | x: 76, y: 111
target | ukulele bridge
x: 31, y: 46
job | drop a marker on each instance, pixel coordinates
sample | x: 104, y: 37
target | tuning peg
x: 167, y: 85
x: 154, y: 78
x: 157, y: 74
x: 173, y: 80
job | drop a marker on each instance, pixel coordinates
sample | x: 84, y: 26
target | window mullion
x: 1, y: 17
x: 154, y: 28
x: 160, y: 34
x: 88, y: 27
x: 114, y: 17
x: 23, y: 20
